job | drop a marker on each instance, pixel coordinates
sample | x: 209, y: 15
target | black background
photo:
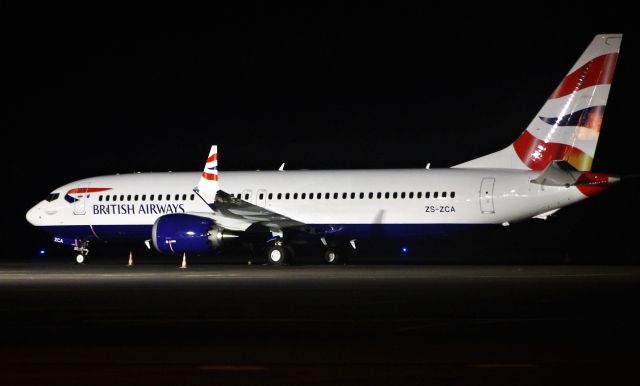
x: 93, y: 91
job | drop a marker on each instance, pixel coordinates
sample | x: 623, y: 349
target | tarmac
x: 352, y: 324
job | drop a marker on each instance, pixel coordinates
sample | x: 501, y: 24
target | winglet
x: 208, y: 185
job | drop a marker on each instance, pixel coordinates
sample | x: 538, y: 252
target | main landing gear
x: 83, y: 251
x: 333, y: 254
x: 332, y: 257
x: 278, y: 254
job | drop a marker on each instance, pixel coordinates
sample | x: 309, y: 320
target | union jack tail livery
x: 568, y: 125
x: 208, y: 185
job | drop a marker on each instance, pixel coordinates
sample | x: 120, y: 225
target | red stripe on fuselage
x: 595, y: 72
x: 591, y: 184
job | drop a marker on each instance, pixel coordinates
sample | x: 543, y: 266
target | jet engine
x: 186, y: 233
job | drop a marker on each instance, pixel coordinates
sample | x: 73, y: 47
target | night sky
x: 357, y: 87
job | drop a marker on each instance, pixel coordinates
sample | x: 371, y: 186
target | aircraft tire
x: 277, y: 255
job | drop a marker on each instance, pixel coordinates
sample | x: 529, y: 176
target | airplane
x: 545, y: 169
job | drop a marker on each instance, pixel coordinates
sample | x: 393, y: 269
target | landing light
x: 404, y: 250
x: 191, y: 233
x: 42, y: 252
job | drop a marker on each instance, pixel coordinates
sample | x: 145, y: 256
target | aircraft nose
x: 34, y: 215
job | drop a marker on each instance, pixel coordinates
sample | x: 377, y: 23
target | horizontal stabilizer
x: 546, y: 215
x: 558, y: 173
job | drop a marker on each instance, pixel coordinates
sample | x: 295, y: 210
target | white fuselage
x: 355, y: 197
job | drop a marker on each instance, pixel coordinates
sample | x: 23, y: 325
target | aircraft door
x: 79, y: 206
x: 262, y: 197
x: 486, y: 195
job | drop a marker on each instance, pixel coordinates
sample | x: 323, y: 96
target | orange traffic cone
x: 130, y: 263
x: 184, y: 261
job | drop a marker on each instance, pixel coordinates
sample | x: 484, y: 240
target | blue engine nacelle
x: 180, y: 233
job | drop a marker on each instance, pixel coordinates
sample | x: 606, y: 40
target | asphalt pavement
x: 352, y: 324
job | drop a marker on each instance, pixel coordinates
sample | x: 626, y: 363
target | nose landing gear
x: 83, y: 251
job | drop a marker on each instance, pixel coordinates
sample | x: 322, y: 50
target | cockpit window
x: 52, y: 197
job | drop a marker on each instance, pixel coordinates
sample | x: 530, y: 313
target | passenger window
x: 151, y: 197
x: 122, y: 197
x: 379, y: 195
x: 327, y: 195
x: 410, y: 194
x: 303, y: 195
x: 106, y: 198
x: 435, y: 194
x: 353, y: 195
x: 361, y: 195
x: 246, y: 196
x: 270, y: 196
x: 395, y: 194
x: 427, y: 194
x: 99, y: 198
x: 261, y: 196
x: 453, y: 195
x: 370, y: 195
x: 135, y: 198
x: 386, y: 194
x: 295, y: 196
x: 168, y: 197
x: 286, y: 196
x: 344, y: 196
x: 193, y: 196
x: 279, y: 196
x: 184, y: 197
x: 177, y: 197
x: 402, y: 195
x: 444, y: 194
x: 419, y: 194
x: 144, y: 197
x: 335, y: 196
x: 128, y: 197
x: 319, y: 195
x: 310, y: 196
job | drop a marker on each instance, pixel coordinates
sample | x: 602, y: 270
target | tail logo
x: 573, y: 116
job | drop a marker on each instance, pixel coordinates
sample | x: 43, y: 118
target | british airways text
x: 102, y: 209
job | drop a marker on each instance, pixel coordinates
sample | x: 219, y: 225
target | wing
x: 233, y: 213
x: 236, y: 212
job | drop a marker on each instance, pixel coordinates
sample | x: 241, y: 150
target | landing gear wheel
x: 277, y: 255
x: 332, y: 257
x: 83, y: 251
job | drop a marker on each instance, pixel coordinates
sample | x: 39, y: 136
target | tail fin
x: 568, y: 125
x: 208, y: 185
